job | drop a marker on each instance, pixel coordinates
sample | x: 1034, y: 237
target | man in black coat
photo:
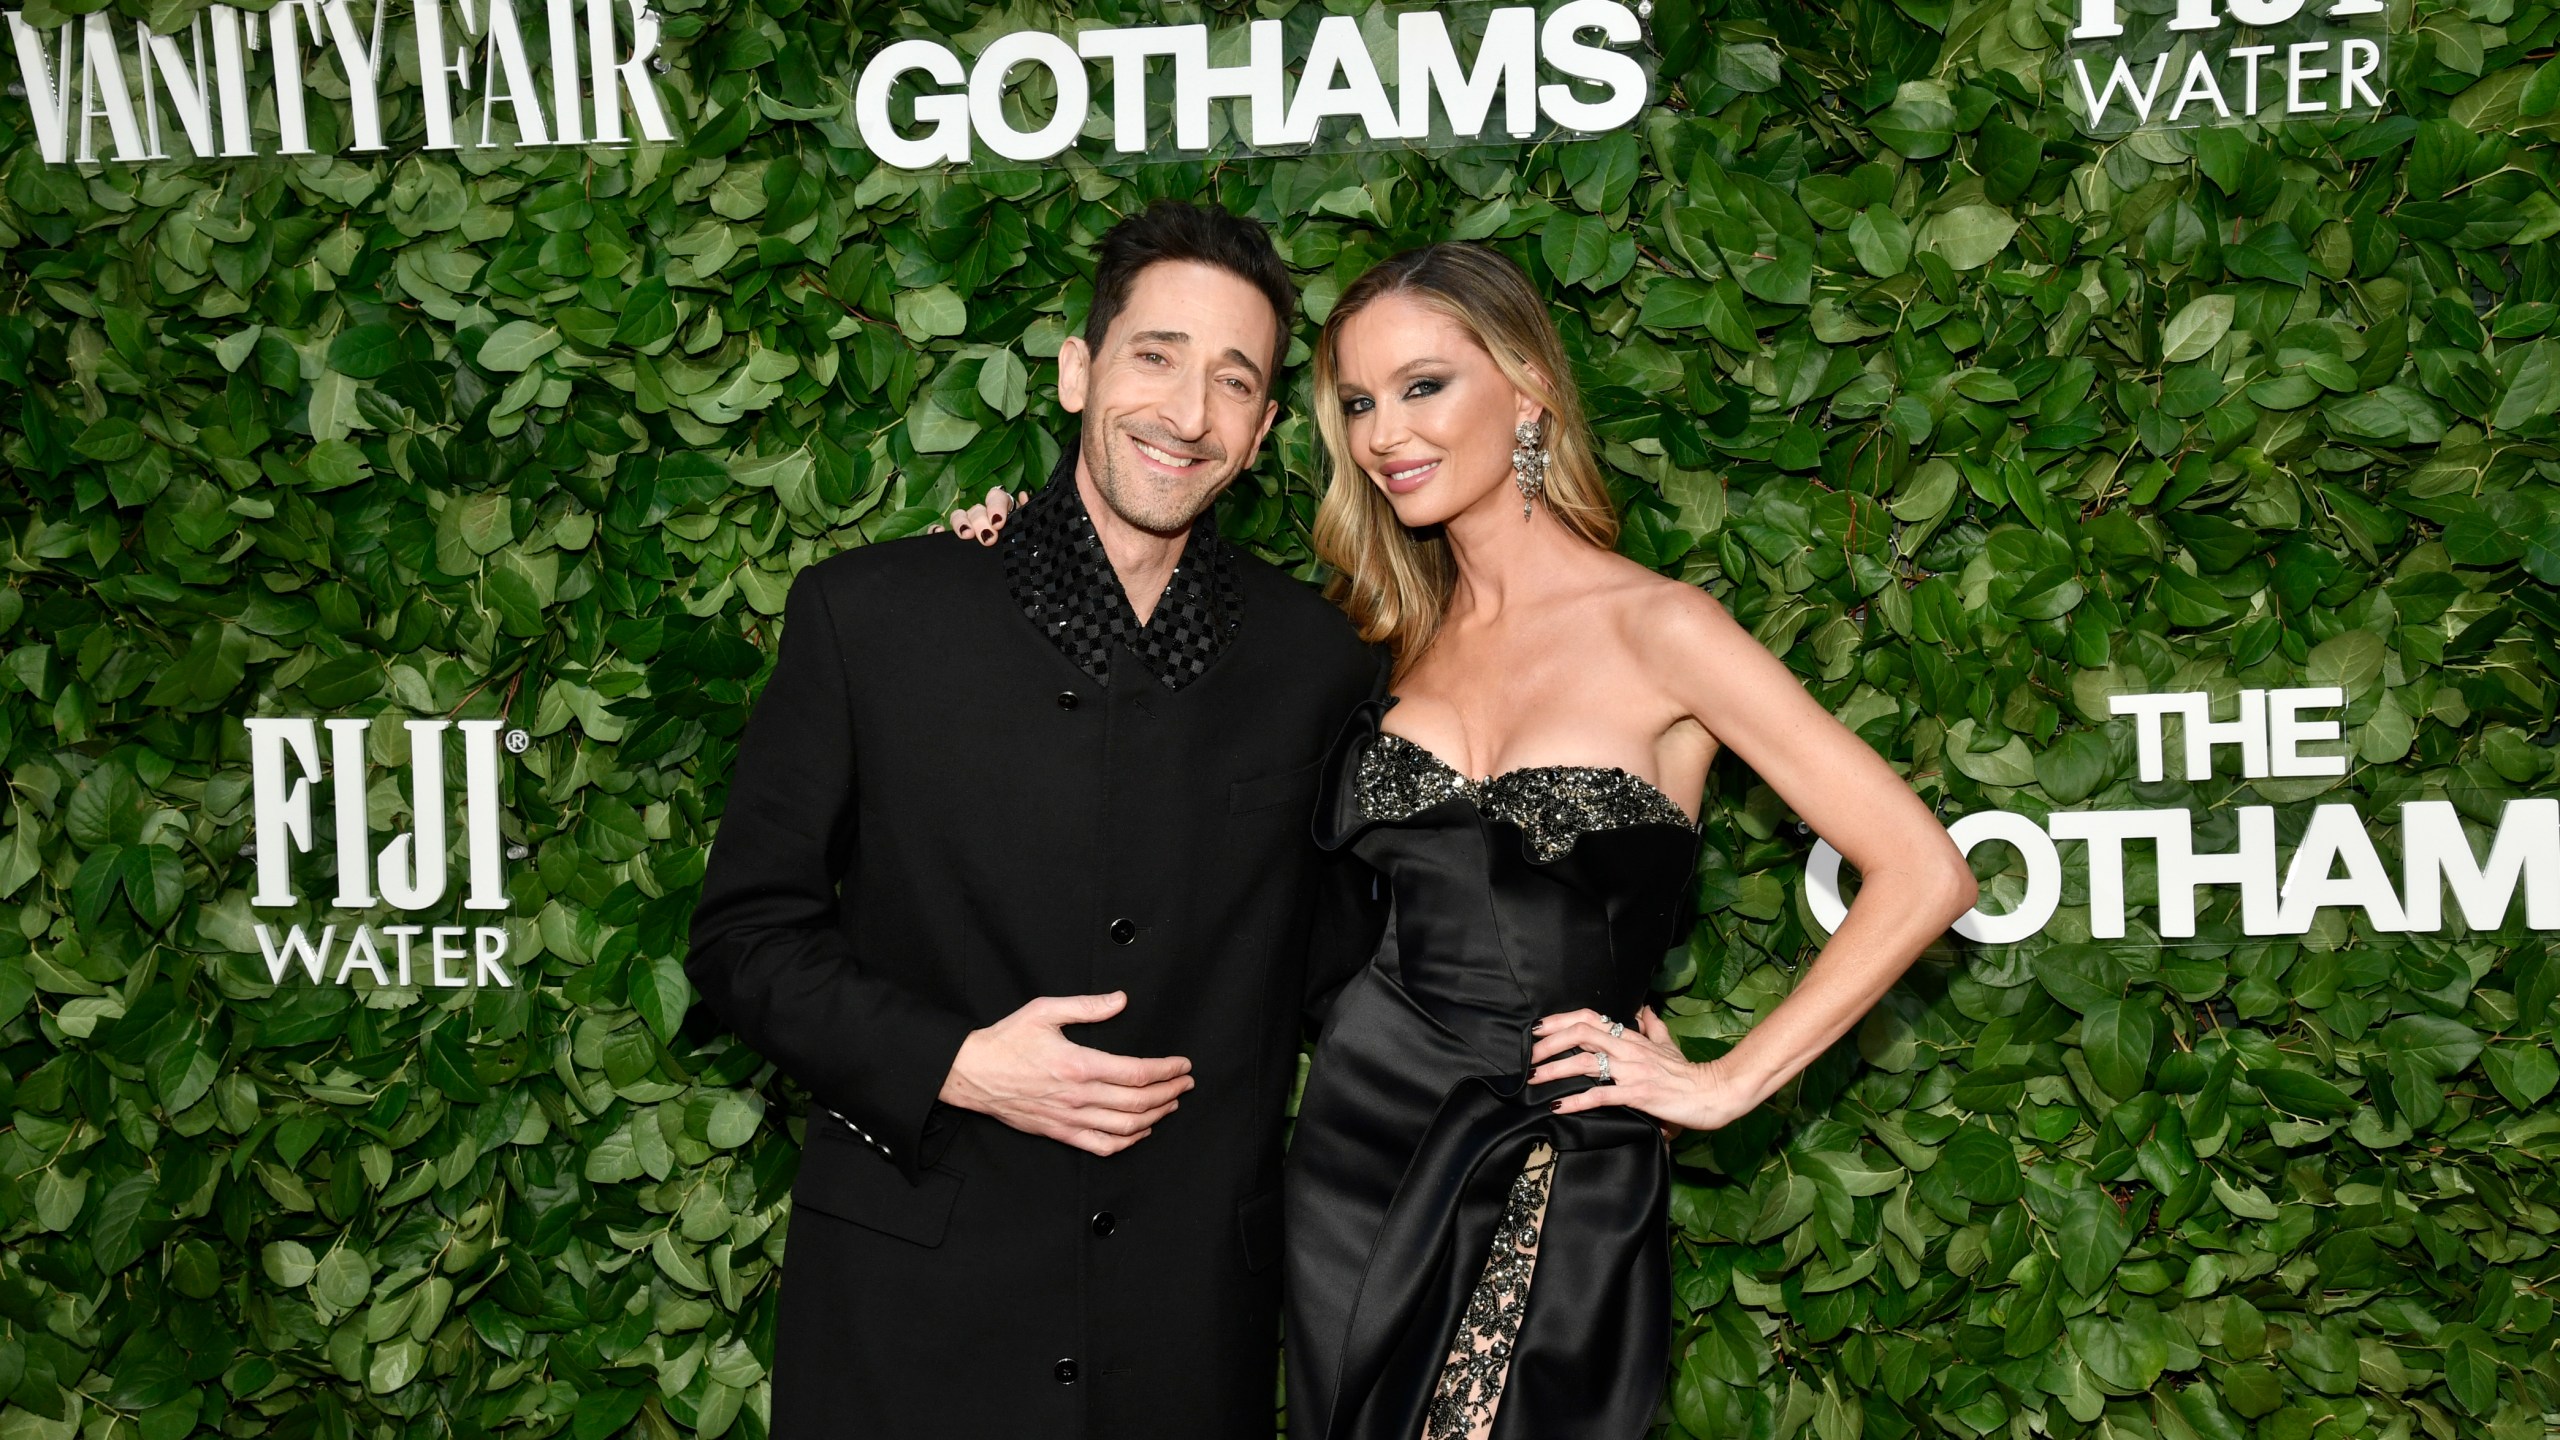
x: 1015, y: 877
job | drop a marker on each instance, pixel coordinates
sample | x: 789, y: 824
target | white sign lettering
x: 2240, y: 60
x: 462, y: 47
x: 2335, y: 865
x: 954, y: 105
x: 408, y: 873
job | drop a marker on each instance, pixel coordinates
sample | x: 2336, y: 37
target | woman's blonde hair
x: 1395, y: 582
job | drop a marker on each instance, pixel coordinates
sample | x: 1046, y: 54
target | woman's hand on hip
x: 1646, y: 1071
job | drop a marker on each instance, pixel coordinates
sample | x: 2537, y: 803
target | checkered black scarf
x: 1065, y: 585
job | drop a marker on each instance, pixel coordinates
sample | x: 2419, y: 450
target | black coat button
x: 1066, y: 699
x: 1104, y: 1223
x: 1065, y: 1370
x: 1123, y: 931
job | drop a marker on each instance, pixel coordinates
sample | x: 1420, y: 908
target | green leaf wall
x: 1971, y: 419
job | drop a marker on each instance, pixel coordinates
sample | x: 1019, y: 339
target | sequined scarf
x: 1065, y: 585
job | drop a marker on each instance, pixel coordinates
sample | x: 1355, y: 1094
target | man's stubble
x: 1157, y: 509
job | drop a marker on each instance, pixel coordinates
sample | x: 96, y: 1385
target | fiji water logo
x: 409, y: 872
x: 2219, y: 62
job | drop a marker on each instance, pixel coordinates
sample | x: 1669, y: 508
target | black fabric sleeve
x: 1350, y: 903
x: 1350, y: 915
x: 769, y: 949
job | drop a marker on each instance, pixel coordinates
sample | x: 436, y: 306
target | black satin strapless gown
x: 1537, y: 891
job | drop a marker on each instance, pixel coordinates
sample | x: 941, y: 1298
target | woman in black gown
x: 1477, y: 1189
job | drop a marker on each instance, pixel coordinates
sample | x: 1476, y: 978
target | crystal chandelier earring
x: 1528, y: 465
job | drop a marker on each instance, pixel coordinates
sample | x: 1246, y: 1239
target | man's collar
x: 1063, y: 580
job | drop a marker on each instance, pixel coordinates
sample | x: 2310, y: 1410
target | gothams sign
x: 1461, y: 74
x: 2277, y: 736
x: 309, y: 77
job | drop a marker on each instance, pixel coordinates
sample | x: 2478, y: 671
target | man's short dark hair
x: 1206, y: 234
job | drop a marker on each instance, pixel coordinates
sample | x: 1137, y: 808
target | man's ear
x: 1075, y: 373
x: 1270, y: 413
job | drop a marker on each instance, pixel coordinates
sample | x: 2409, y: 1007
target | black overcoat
x: 935, y: 817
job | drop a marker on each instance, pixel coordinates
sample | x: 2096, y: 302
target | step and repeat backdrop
x: 2133, y: 418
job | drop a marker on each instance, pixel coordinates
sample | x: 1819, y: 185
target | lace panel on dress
x: 1470, y: 1389
x: 1554, y: 804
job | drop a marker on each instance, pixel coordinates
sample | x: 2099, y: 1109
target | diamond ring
x: 1604, y: 1067
x: 1617, y: 1029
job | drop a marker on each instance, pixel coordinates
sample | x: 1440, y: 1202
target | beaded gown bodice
x: 1554, y: 805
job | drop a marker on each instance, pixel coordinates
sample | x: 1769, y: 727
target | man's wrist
x: 959, y: 1089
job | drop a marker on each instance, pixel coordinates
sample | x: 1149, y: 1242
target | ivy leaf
x: 448, y: 1067
x: 2524, y: 1072
x: 2351, y: 660
x: 2471, y: 1372
x: 2093, y: 1238
x: 516, y: 345
x: 648, y: 315
x: 1983, y: 1167
x: 1967, y: 236
x: 2533, y: 386
x: 1919, y: 124
x: 288, y: 1263
x: 111, y: 438
x: 365, y: 352
x: 2127, y: 1356
x: 1880, y: 241
x: 2443, y: 1048
x: 106, y: 808
x: 2299, y: 1092
x: 2117, y: 1037
x: 931, y: 313
x: 2541, y: 94
x: 1576, y: 249
x: 2196, y: 328
x: 2074, y: 767
x: 342, y: 1278
x: 395, y: 1364
x: 661, y: 993
x: 1003, y: 383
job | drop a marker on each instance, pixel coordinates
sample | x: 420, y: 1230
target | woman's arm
x: 1914, y: 883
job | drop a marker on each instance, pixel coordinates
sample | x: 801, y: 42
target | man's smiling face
x: 1177, y: 396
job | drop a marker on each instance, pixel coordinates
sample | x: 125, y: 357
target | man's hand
x: 1022, y: 1071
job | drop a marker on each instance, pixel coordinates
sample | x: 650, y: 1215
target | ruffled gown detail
x: 1540, y: 890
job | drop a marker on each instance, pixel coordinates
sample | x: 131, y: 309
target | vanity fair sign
x: 105, y: 88
x: 2209, y: 62
x: 239, y: 83
x: 1559, y: 72
x: 409, y: 873
x: 2335, y: 863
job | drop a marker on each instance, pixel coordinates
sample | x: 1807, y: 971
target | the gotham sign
x: 2335, y: 863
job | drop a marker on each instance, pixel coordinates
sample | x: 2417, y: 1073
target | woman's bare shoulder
x: 1655, y: 610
